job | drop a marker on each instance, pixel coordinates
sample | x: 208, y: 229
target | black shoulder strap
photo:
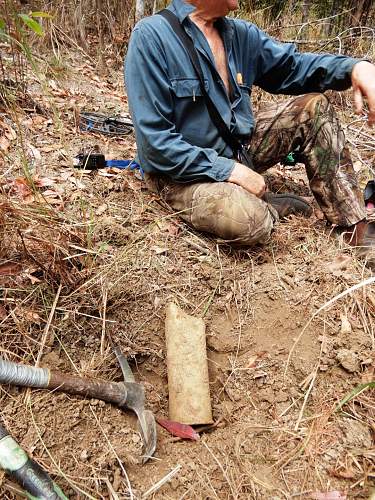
x: 215, y: 116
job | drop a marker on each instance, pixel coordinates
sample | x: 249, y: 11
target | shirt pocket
x: 244, y: 112
x: 188, y: 87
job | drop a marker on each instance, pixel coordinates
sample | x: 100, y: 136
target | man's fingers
x: 248, y: 179
x: 358, y: 100
x: 371, y: 106
x: 363, y: 82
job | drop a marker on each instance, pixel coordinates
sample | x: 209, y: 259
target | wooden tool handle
x: 112, y: 392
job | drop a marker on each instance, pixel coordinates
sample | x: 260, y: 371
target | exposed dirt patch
x: 276, y: 374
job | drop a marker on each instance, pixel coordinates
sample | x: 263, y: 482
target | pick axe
x: 127, y: 394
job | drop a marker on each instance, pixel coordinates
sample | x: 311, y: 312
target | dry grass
x: 117, y: 271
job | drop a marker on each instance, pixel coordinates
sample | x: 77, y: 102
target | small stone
x: 346, y: 327
x: 356, y: 434
x: 267, y: 395
x: 84, y: 455
x: 348, y: 360
x: 281, y: 397
x: 51, y: 360
x: 136, y: 439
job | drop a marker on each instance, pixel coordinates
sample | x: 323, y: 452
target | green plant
x: 15, y: 30
x: 355, y: 392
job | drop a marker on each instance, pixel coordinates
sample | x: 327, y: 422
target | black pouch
x: 92, y: 161
x: 243, y: 155
x: 369, y: 192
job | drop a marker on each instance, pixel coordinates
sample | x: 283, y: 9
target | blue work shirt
x: 174, y: 132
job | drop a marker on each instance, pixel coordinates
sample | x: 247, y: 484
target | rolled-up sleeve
x: 161, y: 148
x: 281, y: 69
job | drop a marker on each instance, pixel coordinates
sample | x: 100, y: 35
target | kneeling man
x: 187, y: 156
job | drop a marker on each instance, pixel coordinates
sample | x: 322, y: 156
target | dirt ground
x: 280, y: 357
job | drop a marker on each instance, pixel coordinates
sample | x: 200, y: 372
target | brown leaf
x: 65, y: 175
x: 52, y: 200
x: 340, y: 263
x: 3, y: 312
x: 10, y: 269
x: 7, y: 133
x: 10, y: 133
x: 51, y: 147
x: 4, y: 144
x: 51, y: 193
x: 32, y: 278
x: 44, y: 182
x: 28, y: 200
x: 39, y: 120
x: 159, y: 250
x: 107, y: 173
x: 357, y: 165
x: 369, y: 375
x: 113, y: 170
x: 177, y: 429
x: 252, y: 361
x: 319, y: 214
x: 101, y: 209
x: 34, y: 153
x: 31, y: 316
x: 171, y: 228
x: 330, y: 495
x: 21, y: 187
x: 344, y: 474
x: 130, y: 181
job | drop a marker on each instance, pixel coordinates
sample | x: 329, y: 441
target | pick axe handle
x: 29, y: 474
x: 43, y: 378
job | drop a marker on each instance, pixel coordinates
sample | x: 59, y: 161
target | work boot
x: 362, y: 236
x: 288, y: 204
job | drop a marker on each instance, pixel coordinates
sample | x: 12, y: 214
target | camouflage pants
x: 226, y: 210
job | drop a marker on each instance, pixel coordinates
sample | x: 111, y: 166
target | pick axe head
x: 147, y: 426
x: 135, y: 400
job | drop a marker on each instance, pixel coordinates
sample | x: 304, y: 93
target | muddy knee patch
x: 231, y: 213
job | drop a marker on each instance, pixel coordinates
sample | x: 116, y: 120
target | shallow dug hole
x: 276, y: 434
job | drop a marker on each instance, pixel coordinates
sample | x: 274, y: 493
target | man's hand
x: 248, y: 179
x: 363, y: 82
